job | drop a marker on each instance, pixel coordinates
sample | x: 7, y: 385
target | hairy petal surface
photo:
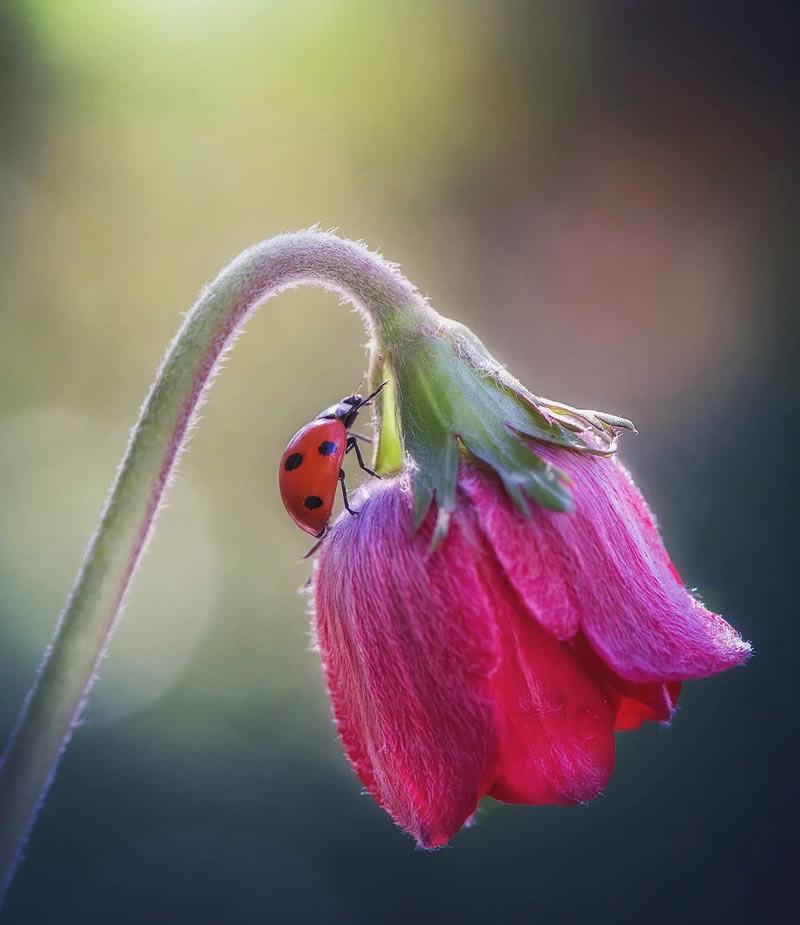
x: 443, y: 688
x: 408, y: 643
x: 604, y: 569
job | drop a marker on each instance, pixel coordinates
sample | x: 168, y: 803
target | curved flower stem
x: 56, y: 701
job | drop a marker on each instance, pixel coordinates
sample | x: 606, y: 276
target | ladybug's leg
x: 352, y: 444
x: 316, y: 546
x: 344, y: 494
x: 360, y: 437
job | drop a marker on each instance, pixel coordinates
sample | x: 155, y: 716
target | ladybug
x: 311, y: 464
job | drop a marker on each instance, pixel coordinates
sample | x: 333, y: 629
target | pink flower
x: 502, y: 662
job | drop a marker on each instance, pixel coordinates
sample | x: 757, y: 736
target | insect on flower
x: 311, y: 464
x: 503, y: 604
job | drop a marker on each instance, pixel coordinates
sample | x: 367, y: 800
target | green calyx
x: 446, y: 397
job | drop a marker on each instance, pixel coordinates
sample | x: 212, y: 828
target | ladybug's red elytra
x: 311, y: 464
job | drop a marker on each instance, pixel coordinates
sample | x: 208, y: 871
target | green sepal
x: 449, y: 397
x: 388, y: 456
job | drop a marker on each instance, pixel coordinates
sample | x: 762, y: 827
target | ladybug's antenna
x: 368, y: 399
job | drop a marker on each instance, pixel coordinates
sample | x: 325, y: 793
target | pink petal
x: 408, y: 642
x: 648, y: 702
x: 603, y: 568
x: 636, y: 702
x: 549, y: 589
x: 554, y: 724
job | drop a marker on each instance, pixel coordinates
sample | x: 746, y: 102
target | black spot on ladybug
x: 312, y: 502
x: 293, y: 461
x: 326, y: 448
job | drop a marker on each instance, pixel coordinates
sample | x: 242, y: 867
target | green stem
x: 82, y: 634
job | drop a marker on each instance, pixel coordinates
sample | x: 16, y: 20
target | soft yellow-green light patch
x: 52, y: 489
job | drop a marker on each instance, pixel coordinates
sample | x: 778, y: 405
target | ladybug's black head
x: 347, y: 409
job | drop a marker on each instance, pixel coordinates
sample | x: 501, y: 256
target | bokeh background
x: 606, y: 192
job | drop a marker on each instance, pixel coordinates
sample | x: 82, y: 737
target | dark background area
x: 607, y: 193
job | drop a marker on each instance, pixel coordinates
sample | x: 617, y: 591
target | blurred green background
x: 606, y: 192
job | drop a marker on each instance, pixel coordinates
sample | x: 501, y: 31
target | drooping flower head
x: 503, y: 602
